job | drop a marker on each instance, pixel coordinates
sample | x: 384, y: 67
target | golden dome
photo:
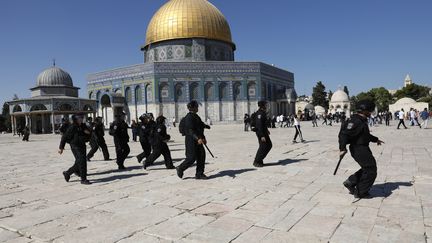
x: 180, y: 19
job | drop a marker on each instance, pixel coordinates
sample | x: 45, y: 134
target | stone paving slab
x: 294, y: 199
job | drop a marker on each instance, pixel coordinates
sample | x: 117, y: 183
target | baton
x: 209, y: 150
x: 340, y: 160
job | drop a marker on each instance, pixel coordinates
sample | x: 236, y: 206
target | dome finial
x: 53, y: 62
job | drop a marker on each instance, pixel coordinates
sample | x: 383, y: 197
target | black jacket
x: 119, y: 130
x: 159, y: 134
x: 99, y: 130
x: 75, y: 136
x: 145, y: 130
x: 355, y: 131
x: 261, y: 123
x: 194, y: 127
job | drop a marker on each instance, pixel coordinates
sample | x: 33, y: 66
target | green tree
x: 413, y: 91
x: 319, y: 95
x: 5, y: 122
x: 380, y: 96
x: 345, y: 89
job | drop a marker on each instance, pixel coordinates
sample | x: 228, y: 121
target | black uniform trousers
x: 146, y: 146
x: 401, y: 122
x: 122, y: 151
x: 387, y: 122
x: 26, y: 137
x: 158, y: 150
x: 263, y: 150
x: 95, y: 145
x: 80, y: 165
x: 194, y: 152
x: 364, y: 178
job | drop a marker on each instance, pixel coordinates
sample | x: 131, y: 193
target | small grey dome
x: 54, y: 76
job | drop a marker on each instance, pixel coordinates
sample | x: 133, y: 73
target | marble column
x: 52, y: 123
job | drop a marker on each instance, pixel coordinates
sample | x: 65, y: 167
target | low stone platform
x: 293, y: 199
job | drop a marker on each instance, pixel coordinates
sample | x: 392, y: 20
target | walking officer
x: 159, y: 139
x: 97, y: 140
x: 355, y: 132
x: 119, y: 130
x: 262, y: 133
x: 192, y: 128
x: 144, y: 129
x: 76, y: 135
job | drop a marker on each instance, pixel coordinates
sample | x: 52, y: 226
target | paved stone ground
x: 296, y: 199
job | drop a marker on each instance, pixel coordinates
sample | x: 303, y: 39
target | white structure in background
x: 302, y: 106
x: 319, y: 110
x: 340, y: 103
x: 407, y: 104
x: 408, y: 81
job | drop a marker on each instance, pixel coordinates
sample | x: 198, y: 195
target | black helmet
x: 193, y: 104
x: 366, y: 105
x: 77, y: 116
x: 144, y: 116
x: 262, y: 103
x: 160, y: 119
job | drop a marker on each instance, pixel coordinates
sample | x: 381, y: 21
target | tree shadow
x: 116, y: 177
x: 386, y: 189
x: 230, y: 173
x: 284, y: 162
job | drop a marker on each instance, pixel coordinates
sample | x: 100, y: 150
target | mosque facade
x: 189, y: 55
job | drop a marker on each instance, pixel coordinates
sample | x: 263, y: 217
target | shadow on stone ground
x: 117, y: 177
x: 230, y: 173
x: 386, y: 189
x: 284, y: 162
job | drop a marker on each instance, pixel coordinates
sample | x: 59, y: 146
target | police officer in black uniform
x: 97, y: 140
x: 144, y: 129
x: 193, y: 130
x: 159, y: 139
x: 355, y: 132
x: 119, y: 130
x: 76, y: 135
x: 262, y: 133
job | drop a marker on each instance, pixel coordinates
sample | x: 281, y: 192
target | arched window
x: 105, y: 101
x: 90, y: 95
x: 38, y: 107
x: 251, y: 90
x: 237, y: 90
x: 128, y: 95
x: 98, y: 95
x: 179, y: 92
x: 17, y: 108
x: 164, y: 91
x: 65, y: 107
x: 138, y: 95
x: 194, y: 91
x: 149, y: 88
x: 208, y: 91
x: 223, y: 91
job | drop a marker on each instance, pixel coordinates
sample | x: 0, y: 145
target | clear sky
x: 361, y: 44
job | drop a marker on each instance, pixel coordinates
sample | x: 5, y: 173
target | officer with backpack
x: 355, y: 132
x: 259, y: 126
x: 144, y: 129
x: 192, y: 127
x: 76, y: 135
x: 159, y: 139
x: 119, y: 130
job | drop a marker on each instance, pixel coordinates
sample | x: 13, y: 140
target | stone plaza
x: 295, y: 198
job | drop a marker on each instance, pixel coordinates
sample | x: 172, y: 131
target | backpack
x: 253, y: 119
x: 182, y: 127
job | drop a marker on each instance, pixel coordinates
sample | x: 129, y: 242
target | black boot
x: 179, y: 173
x: 66, y: 176
x: 351, y: 188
